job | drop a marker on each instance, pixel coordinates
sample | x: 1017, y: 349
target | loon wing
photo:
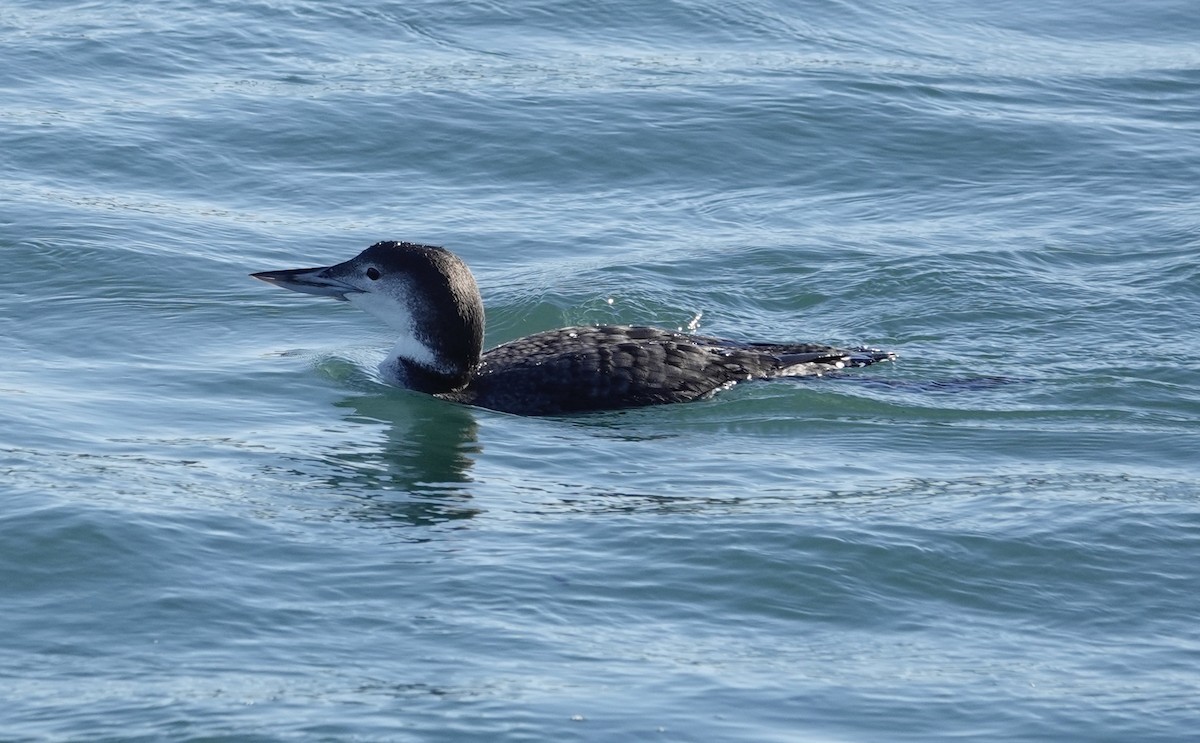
x: 609, y: 367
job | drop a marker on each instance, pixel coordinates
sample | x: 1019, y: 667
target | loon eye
x: 373, y: 273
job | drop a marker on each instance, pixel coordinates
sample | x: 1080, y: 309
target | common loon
x: 429, y: 297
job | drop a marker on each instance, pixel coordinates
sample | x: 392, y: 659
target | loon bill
x: 428, y: 296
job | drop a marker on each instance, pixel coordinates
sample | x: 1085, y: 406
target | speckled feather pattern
x: 609, y: 367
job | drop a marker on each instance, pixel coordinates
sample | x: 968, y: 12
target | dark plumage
x: 428, y: 295
x: 591, y: 368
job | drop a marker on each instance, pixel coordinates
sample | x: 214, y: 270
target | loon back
x: 429, y: 297
x: 610, y: 367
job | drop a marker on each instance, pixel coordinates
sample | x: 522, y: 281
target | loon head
x: 424, y: 293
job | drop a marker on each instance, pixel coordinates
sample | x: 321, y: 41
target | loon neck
x: 416, y: 366
x: 419, y: 377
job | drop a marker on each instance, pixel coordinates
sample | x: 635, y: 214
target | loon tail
x: 863, y: 356
x: 807, y: 361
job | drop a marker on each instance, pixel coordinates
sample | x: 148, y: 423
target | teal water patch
x: 217, y: 521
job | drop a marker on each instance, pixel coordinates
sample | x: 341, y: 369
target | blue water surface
x: 217, y: 523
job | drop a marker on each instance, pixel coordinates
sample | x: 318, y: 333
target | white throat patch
x: 394, y: 311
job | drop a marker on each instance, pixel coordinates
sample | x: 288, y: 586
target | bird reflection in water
x: 418, y: 472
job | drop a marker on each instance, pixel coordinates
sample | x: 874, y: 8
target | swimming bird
x: 428, y: 296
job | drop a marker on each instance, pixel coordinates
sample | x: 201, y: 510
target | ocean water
x: 217, y: 524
